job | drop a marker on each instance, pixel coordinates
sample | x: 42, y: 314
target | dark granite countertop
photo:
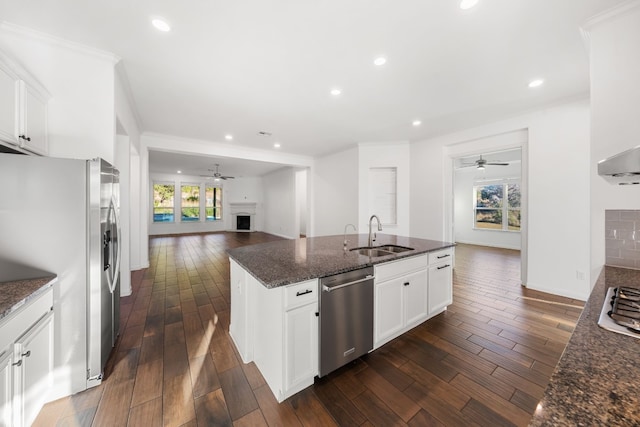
x: 284, y: 262
x: 19, y: 284
x: 597, y: 379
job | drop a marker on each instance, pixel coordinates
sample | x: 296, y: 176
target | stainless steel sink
x: 394, y: 248
x: 371, y: 252
x: 385, y: 250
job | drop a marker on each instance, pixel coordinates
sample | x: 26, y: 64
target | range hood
x: 623, y: 168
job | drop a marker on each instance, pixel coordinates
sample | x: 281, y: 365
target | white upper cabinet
x: 9, y: 108
x: 23, y: 109
x: 33, y: 120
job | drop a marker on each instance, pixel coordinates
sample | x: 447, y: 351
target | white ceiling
x: 246, y: 66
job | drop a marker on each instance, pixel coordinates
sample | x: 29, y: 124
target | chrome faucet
x: 344, y: 247
x: 374, y: 234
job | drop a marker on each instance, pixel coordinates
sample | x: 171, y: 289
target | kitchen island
x: 275, y: 297
x: 596, y: 380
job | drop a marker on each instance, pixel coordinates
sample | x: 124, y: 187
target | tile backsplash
x: 622, y: 238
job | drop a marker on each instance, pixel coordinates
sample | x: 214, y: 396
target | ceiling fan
x: 217, y: 175
x: 481, y: 163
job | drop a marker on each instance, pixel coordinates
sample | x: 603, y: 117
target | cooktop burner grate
x: 621, y: 311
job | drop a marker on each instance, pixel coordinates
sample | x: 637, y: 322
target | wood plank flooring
x: 485, y: 361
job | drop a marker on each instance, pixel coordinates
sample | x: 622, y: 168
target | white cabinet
x: 33, y: 120
x: 277, y: 329
x: 33, y: 362
x: 239, y: 327
x: 6, y: 387
x: 400, y: 298
x: 301, y: 346
x: 23, y: 108
x: 9, y: 121
x: 26, y: 363
x: 440, y: 281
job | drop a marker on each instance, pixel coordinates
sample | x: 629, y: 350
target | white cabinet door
x: 389, y: 309
x: 8, y: 107
x: 415, y: 287
x: 301, y: 345
x: 33, y: 129
x: 241, y: 313
x: 6, y: 388
x: 440, y: 288
x: 34, y: 367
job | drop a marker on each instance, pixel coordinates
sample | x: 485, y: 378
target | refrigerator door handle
x: 116, y: 271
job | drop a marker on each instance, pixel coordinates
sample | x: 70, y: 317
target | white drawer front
x: 398, y: 268
x: 300, y: 294
x: 445, y: 255
x: 14, y: 325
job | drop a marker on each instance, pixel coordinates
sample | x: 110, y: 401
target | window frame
x: 504, y: 209
x: 197, y: 208
x: 154, y: 207
x: 214, y: 207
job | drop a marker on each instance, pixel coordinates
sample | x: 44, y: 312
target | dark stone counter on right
x: 597, y: 380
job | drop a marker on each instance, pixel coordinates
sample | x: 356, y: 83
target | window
x: 497, y: 207
x: 383, y: 194
x: 163, y: 194
x: 190, y: 207
x: 213, y: 203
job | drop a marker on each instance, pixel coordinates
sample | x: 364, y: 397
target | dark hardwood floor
x: 485, y: 361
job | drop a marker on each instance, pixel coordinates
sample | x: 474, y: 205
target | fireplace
x: 243, y: 216
x: 243, y: 222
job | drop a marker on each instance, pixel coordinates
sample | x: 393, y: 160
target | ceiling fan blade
x: 497, y: 164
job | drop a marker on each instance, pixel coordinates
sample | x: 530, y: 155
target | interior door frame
x: 476, y: 147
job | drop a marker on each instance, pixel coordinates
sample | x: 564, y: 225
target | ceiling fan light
x: 481, y: 167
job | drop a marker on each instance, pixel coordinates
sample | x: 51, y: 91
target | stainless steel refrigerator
x: 61, y: 216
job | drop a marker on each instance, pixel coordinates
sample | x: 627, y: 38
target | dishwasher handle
x: 326, y: 288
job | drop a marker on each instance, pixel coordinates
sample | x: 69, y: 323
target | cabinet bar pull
x: 308, y: 291
x: 18, y: 363
x: 443, y: 256
x: 26, y: 138
x: 444, y: 266
x: 407, y: 283
x: 27, y: 354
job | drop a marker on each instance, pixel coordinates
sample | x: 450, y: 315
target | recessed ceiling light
x: 276, y: 145
x: 228, y: 137
x: 336, y: 92
x: 179, y: 171
x: 536, y: 83
x: 381, y: 60
x: 468, y: 4
x: 161, y: 24
x: 416, y: 123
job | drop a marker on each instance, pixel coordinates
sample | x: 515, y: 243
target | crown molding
x: 610, y: 14
x: 29, y: 33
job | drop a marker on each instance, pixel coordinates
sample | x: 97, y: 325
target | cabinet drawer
x: 300, y: 294
x: 392, y: 269
x: 443, y: 255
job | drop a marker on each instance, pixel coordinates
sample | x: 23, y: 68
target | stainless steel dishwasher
x: 346, y: 318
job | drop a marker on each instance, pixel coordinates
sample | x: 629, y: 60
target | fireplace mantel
x: 243, y: 209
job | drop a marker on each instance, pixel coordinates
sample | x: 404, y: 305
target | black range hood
x: 623, y: 168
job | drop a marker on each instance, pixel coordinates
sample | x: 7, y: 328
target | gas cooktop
x: 621, y: 311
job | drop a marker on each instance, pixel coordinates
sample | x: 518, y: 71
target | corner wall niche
x: 243, y: 216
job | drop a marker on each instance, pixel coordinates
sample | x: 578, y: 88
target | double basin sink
x: 384, y: 250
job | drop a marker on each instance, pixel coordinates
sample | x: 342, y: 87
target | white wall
x: 81, y: 120
x: 335, y: 190
x: 557, y: 171
x: 389, y: 154
x: 279, y: 207
x: 615, y: 118
x: 463, y: 216
x: 178, y: 227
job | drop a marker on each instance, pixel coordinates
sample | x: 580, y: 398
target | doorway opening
x: 488, y: 189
